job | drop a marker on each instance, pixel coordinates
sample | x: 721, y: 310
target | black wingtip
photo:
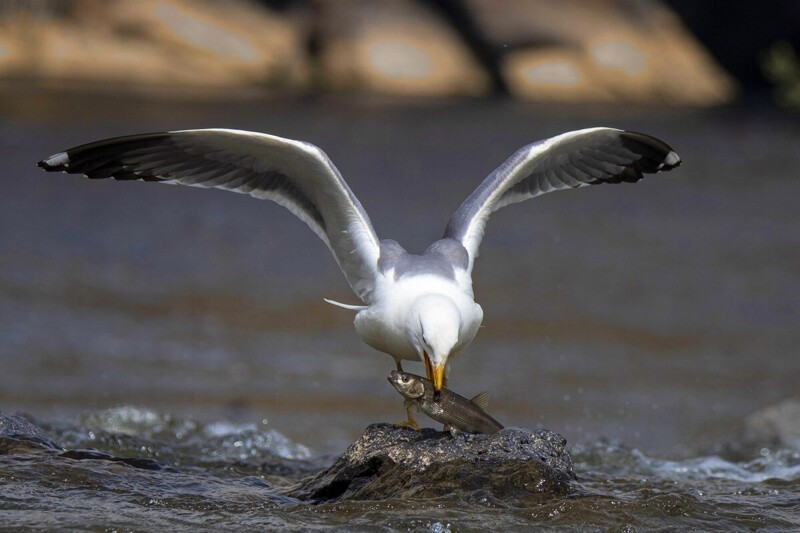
x: 656, y: 155
x: 43, y: 165
x: 88, y: 158
x: 55, y: 163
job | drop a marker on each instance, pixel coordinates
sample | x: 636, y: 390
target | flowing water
x: 644, y: 323
x: 223, y: 475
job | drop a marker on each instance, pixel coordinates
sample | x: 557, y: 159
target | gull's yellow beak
x: 428, y: 366
x: 435, y: 374
x: 438, y: 377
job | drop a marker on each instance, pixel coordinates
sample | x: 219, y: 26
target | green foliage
x: 780, y: 66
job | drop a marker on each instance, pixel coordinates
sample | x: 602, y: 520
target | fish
x: 457, y: 413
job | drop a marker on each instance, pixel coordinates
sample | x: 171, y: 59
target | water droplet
x: 438, y: 527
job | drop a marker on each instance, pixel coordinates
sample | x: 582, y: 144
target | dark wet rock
x: 135, y: 462
x: 397, y: 462
x: 275, y: 466
x: 777, y: 425
x: 19, y: 435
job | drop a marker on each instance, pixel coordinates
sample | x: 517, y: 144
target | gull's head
x: 434, y: 330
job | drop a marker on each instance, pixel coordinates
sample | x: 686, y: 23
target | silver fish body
x: 452, y: 410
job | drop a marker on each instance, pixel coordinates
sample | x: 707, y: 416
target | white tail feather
x: 346, y: 306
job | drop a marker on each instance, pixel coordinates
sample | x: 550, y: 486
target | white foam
x: 244, y: 441
x: 758, y: 470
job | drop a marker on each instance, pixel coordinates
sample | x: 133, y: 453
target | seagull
x: 415, y: 307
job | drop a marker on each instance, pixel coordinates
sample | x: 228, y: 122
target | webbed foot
x: 410, y: 423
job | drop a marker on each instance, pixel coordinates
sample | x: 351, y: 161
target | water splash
x: 119, y: 427
x: 780, y: 465
x: 247, y: 441
x: 615, y: 459
x: 139, y: 421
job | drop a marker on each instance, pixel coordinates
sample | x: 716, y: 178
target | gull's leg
x: 411, y: 423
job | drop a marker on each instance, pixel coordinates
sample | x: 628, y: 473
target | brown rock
x: 605, y: 50
x: 165, y: 43
x: 395, y: 47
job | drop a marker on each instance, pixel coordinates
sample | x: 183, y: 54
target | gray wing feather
x: 294, y: 174
x: 567, y: 161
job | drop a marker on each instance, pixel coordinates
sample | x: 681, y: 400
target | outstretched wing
x: 296, y: 175
x: 570, y: 160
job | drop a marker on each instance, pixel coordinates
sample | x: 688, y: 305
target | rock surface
x: 541, y: 50
x: 600, y: 51
x: 386, y: 462
x: 399, y: 462
x: 395, y: 47
x: 18, y: 435
x: 160, y: 44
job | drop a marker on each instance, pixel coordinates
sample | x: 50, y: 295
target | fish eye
x: 405, y: 379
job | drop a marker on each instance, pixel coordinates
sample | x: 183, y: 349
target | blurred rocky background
x: 679, y: 52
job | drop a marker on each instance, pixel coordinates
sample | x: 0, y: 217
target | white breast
x: 385, y: 324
